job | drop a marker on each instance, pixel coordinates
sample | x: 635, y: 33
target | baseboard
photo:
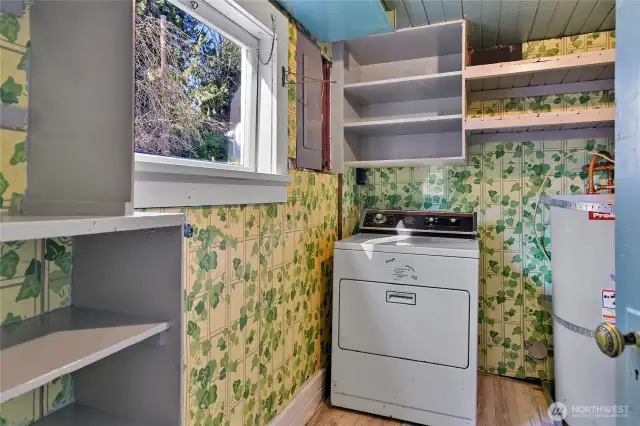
x: 300, y: 409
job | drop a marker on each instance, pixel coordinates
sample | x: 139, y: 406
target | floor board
x: 501, y: 402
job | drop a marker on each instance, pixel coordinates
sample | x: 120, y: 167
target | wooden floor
x: 501, y: 402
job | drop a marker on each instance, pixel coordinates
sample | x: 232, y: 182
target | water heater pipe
x: 535, y: 212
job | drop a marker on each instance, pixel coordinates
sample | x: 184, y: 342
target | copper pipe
x: 605, y: 166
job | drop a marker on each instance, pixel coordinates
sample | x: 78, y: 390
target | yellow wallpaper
x: 258, y: 297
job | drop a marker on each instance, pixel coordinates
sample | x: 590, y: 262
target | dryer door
x: 404, y: 321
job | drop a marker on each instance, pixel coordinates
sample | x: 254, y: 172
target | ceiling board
x: 580, y: 14
x: 598, y: 15
x: 435, y: 11
x: 609, y: 22
x: 495, y: 22
x: 415, y: 9
x: 452, y: 10
x: 490, y: 22
x: 546, y: 10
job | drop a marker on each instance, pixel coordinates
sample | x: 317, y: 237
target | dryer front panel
x: 415, y: 323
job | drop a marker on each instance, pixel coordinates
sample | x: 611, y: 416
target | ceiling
x: 498, y: 22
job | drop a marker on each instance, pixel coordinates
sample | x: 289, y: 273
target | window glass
x: 189, y: 96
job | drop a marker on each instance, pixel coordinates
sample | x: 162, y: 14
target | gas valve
x: 611, y: 341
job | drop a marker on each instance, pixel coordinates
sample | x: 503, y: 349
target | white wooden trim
x: 23, y: 227
x: 465, y: 90
x: 595, y: 116
x: 542, y: 135
x: 587, y: 59
x: 301, y: 408
x: 165, y: 190
x: 543, y: 90
x: 439, y: 161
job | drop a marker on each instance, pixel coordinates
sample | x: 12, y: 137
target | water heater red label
x: 601, y: 216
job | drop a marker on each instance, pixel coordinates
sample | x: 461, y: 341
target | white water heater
x: 582, y: 267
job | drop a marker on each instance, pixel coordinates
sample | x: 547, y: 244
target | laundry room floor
x: 501, y: 402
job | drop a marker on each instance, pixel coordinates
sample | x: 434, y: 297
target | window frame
x: 177, y: 182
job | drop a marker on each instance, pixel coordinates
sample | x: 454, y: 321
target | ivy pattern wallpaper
x: 35, y: 274
x: 258, y: 292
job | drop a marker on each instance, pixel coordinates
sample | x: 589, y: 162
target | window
x: 206, y: 101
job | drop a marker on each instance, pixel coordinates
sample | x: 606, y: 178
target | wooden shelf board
x: 580, y: 67
x: 23, y: 227
x: 432, y: 86
x: 406, y: 126
x: 446, y: 161
x: 80, y: 415
x: 37, y: 350
x: 542, y: 122
x: 410, y: 43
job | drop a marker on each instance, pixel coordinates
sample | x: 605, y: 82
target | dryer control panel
x: 415, y: 222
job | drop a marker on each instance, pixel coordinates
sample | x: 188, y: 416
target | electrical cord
x: 273, y: 42
x: 535, y: 212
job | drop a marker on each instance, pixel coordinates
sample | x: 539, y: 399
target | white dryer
x: 405, y: 317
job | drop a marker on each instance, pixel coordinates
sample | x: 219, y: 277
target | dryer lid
x: 434, y: 246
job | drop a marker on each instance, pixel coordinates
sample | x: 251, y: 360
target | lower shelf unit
x: 542, y: 126
x: 71, y: 338
x: 80, y: 415
x: 122, y: 339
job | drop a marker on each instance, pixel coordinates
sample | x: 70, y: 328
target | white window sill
x: 164, y: 182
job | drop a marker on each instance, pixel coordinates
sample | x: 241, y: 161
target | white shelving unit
x: 583, y: 72
x: 399, y: 98
x: 122, y: 338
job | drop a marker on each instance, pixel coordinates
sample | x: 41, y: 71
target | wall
x: 257, y: 285
x: 257, y: 289
x: 34, y: 275
x: 501, y: 183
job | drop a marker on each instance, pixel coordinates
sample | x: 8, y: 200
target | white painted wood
x: 302, y: 407
x: 80, y: 156
x: 155, y: 190
x: 543, y: 90
x: 178, y: 182
x: 598, y: 132
x: 400, y: 69
x: 21, y: 227
x: 80, y: 415
x: 436, y: 161
x: 538, y: 65
x: 406, y: 109
x: 428, y: 145
x: 417, y: 42
x: 37, y: 350
x: 406, y: 126
x: 464, y: 88
x: 337, y: 107
x: 402, y: 89
x: 525, y: 121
